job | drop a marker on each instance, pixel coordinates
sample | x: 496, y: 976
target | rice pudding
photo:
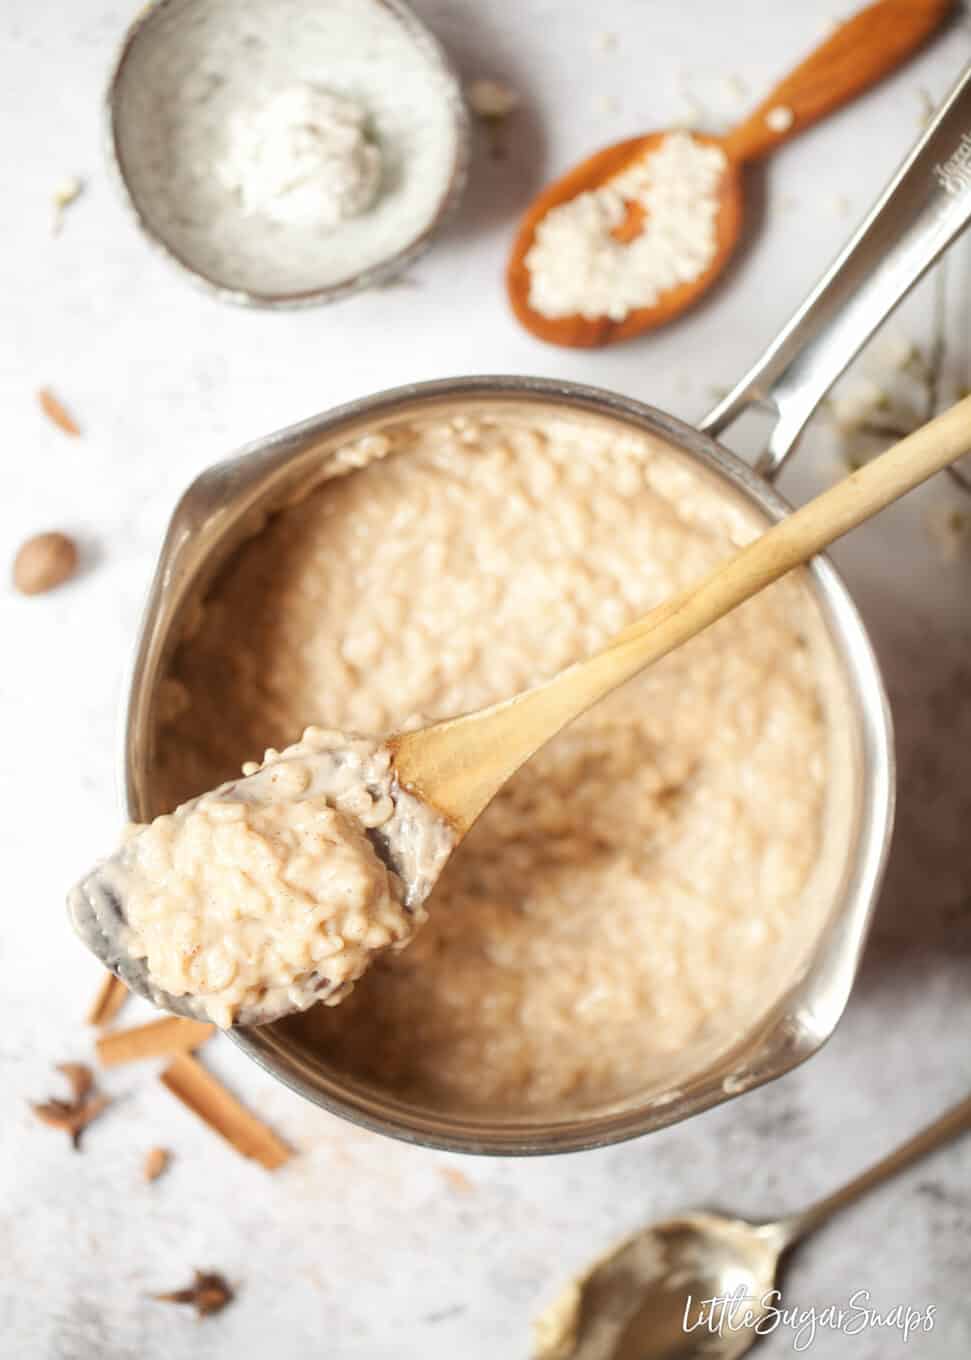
x: 634, y: 890
x: 270, y: 893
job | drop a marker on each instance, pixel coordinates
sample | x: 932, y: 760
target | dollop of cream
x: 304, y: 158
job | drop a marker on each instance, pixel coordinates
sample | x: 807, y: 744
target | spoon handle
x: 459, y: 765
x: 859, y: 53
x: 957, y: 1120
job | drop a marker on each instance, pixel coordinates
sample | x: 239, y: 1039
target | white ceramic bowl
x: 187, y: 66
x: 230, y: 502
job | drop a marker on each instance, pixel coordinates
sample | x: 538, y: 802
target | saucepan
x: 926, y: 205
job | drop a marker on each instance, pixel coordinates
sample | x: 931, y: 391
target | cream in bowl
x: 640, y: 896
x: 287, y: 151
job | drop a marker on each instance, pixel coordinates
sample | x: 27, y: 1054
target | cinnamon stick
x: 112, y: 995
x: 158, y: 1039
x: 197, y: 1088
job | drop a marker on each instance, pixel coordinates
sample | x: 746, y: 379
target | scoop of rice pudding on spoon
x: 279, y: 889
x: 272, y: 892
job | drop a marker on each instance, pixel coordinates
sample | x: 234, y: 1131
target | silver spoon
x: 646, y: 1300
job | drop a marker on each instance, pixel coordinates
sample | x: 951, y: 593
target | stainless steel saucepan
x: 927, y: 204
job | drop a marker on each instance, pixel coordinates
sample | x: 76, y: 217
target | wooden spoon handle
x: 859, y: 53
x: 459, y: 765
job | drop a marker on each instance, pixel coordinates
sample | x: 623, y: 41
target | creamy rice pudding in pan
x: 637, y: 888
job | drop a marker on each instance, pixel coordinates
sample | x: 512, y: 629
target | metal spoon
x: 855, y: 56
x: 651, y: 1297
x: 456, y: 767
x: 412, y: 842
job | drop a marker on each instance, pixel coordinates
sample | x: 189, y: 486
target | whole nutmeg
x: 43, y: 562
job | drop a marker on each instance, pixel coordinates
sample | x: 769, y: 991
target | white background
x: 362, y: 1249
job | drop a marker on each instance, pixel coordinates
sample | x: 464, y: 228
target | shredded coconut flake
x: 66, y: 193
x: 780, y: 119
x: 491, y: 99
x: 577, y: 265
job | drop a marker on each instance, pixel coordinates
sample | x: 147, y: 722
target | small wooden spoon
x: 459, y: 765
x: 858, y: 54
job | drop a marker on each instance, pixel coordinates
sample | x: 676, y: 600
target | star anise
x: 73, y: 1116
x: 79, y: 1078
x: 209, y: 1293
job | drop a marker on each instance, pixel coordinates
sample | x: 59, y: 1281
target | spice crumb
x: 73, y: 1116
x: 66, y: 193
x: 209, y: 1293
x: 780, y: 119
x: 457, y: 1179
x: 57, y: 413
x: 156, y: 1163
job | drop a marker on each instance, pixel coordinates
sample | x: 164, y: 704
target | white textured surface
x: 362, y: 1249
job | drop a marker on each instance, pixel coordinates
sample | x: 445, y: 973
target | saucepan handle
x: 924, y: 208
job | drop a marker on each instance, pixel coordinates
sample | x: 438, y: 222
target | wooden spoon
x: 858, y: 54
x: 459, y: 765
